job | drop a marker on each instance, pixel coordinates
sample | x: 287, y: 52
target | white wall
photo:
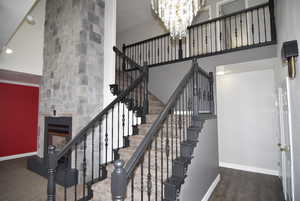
x: 15, y: 12
x: 287, y: 21
x: 246, y: 120
x: 27, y: 44
x: 204, y: 168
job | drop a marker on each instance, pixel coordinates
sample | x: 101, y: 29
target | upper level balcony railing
x: 248, y: 28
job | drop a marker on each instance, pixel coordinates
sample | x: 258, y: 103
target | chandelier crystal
x: 177, y: 15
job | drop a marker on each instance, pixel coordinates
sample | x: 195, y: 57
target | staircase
x: 101, y: 190
x: 156, y: 141
x: 157, y: 162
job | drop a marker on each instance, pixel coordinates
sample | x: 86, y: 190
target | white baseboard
x: 17, y: 156
x: 211, y: 188
x: 249, y: 168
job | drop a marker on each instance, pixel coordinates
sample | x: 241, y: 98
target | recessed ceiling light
x: 30, y: 20
x: 9, y: 51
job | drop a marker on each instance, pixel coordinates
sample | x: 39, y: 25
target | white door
x: 285, y: 140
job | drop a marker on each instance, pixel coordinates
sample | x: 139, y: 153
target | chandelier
x: 177, y: 15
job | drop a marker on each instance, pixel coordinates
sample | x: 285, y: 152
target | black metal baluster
x: 143, y: 52
x: 216, y: 37
x: 180, y: 120
x: 230, y: 31
x: 186, y: 105
x: 198, y: 52
x: 142, y: 179
x: 172, y: 135
x: 196, y: 92
x: 149, y: 176
x: 118, y: 125
x: 84, y: 165
x: 176, y: 129
x: 247, y: 28
x: 210, y: 38
x: 206, y: 42
x: 185, y: 48
x: 220, y: 29
x: 140, y: 54
x: 123, y: 79
x: 258, y: 26
x: 167, y: 145
x: 161, y: 161
x: 100, y: 147
x: 241, y: 27
x: 128, y: 132
x: 236, y: 32
x: 161, y: 50
x: 202, y: 45
x: 155, y: 51
x: 152, y: 47
x: 272, y: 21
x: 158, y: 52
x: 252, y: 28
x: 172, y: 42
x: 183, y: 115
x: 193, y: 41
x: 168, y: 49
x: 189, y: 97
x: 65, y: 187
x: 149, y: 52
x: 155, y: 159
x: 176, y: 50
x: 123, y: 125
x: 190, y: 43
x: 106, y: 140
x: 93, y: 136
x: 112, y: 133
x: 75, y: 166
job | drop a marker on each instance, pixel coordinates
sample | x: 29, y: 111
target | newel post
x: 51, y: 188
x: 180, y: 53
x: 146, y: 99
x: 211, y: 88
x: 272, y: 20
x: 118, y: 181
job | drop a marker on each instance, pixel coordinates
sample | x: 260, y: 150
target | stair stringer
x: 180, y: 166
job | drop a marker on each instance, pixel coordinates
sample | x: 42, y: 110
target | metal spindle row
x: 245, y: 29
x: 98, y: 143
x: 151, y: 167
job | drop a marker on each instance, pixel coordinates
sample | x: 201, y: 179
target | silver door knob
x: 284, y: 149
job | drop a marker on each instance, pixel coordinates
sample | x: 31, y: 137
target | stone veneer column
x: 73, y: 62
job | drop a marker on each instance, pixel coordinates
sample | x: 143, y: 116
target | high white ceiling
x: 132, y: 12
x: 12, y: 13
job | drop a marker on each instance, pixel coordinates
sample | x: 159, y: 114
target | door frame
x: 288, y: 86
x: 285, y: 85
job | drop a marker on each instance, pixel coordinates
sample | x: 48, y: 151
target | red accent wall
x: 18, y: 119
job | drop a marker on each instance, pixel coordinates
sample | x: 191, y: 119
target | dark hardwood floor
x: 236, y: 185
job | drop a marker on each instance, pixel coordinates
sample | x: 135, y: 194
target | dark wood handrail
x: 129, y: 60
x: 84, y: 131
x: 141, y: 149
